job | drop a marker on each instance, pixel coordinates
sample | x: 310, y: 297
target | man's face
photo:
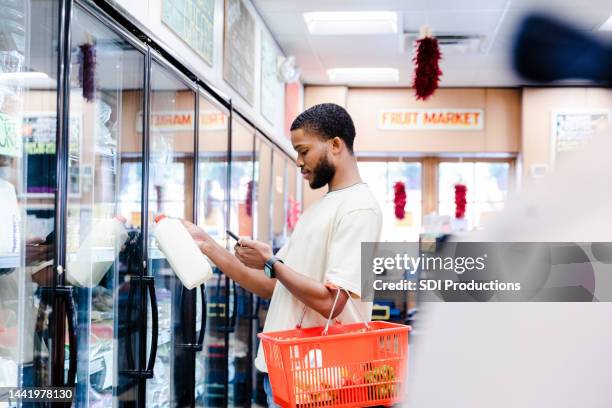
x: 314, y: 158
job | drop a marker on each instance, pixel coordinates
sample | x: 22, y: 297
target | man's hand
x: 253, y: 254
x: 36, y: 251
x: 201, y: 238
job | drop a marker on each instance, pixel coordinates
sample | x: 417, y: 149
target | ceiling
x: 495, y: 21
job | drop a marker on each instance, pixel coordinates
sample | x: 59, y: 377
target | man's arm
x: 312, y: 293
x: 251, y: 279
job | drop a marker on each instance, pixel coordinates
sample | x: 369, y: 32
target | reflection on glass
x: 264, y: 207
x: 171, y: 145
x: 279, y: 180
x: 292, y: 206
x: 239, y: 306
x: 28, y: 98
x: 103, y: 217
x: 211, y: 368
x: 487, y: 187
x: 381, y: 177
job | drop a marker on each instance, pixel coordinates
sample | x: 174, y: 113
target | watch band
x: 269, y: 266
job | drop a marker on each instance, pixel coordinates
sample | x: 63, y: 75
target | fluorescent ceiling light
x: 363, y: 75
x: 351, y: 22
x: 607, y: 26
x: 7, y: 76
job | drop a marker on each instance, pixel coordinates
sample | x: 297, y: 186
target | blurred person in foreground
x: 532, y: 355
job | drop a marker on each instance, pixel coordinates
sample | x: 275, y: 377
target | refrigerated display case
x: 103, y: 218
x: 242, y: 212
x: 263, y: 152
x: 91, y: 153
x: 171, y: 175
x: 29, y: 311
x: 212, y: 199
x: 279, y: 196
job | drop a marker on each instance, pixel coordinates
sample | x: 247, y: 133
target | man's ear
x: 337, y: 145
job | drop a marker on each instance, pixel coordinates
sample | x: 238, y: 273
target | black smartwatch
x: 269, y: 266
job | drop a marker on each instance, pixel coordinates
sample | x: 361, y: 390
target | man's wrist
x: 270, y: 266
x: 208, y: 247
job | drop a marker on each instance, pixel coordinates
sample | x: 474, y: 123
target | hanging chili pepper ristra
x: 460, y: 200
x: 399, y: 200
x: 427, y: 71
x: 87, y: 70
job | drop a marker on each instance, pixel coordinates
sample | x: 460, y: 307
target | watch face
x: 268, y: 270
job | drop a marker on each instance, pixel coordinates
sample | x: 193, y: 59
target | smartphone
x: 231, y: 234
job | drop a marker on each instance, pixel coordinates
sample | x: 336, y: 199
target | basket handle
x: 331, y: 313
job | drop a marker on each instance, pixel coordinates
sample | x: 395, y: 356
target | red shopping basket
x: 340, y: 366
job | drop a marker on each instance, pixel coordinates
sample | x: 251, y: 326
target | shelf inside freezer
x: 155, y: 253
x: 101, y: 254
x: 163, y: 337
x: 9, y: 260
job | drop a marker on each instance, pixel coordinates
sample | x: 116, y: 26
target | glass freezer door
x: 170, y: 192
x: 240, y: 302
x: 211, y: 361
x: 103, y: 224
x: 28, y: 117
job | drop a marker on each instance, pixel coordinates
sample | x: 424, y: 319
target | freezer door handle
x: 72, y: 339
x: 64, y: 293
x: 150, y: 282
x: 231, y: 327
x: 203, y: 323
x: 131, y: 370
x: 199, y: 344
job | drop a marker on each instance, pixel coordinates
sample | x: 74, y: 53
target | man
x: 326, y: 242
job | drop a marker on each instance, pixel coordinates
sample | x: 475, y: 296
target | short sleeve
x: 344, y: 254
x: 282, y: 252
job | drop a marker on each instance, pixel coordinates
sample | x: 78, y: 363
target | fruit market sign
x: 431, y: 119
x: 177, y: 121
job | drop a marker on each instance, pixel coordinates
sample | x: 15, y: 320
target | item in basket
x: 384, y: 374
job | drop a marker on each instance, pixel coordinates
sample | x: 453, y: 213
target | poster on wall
x: 39, y: 129
x: 193, y: 22
x: 239, y: 49
x: 271, y: 87
x: 10, y: 140
x: 574, y: 128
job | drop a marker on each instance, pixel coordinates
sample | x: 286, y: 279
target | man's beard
x: 322, y: 174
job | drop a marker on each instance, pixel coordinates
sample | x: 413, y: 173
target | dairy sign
x: 431, y: 119
x: 178, y: 121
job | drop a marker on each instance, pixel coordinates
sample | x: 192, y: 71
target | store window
x: 487, y: 183
x: 381, y: 176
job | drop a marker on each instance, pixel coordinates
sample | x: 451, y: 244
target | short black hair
x: 328, y: 120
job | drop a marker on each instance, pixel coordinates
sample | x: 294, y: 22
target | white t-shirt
x: 326, y: 246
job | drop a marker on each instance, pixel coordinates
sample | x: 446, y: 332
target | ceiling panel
x: 285, y: 23
x: 468, y: 22
x: 497, y: 20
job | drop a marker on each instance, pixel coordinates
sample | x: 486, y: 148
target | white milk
x: 184, y: 256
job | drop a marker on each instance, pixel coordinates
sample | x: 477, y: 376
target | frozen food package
x: 97, y: 252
